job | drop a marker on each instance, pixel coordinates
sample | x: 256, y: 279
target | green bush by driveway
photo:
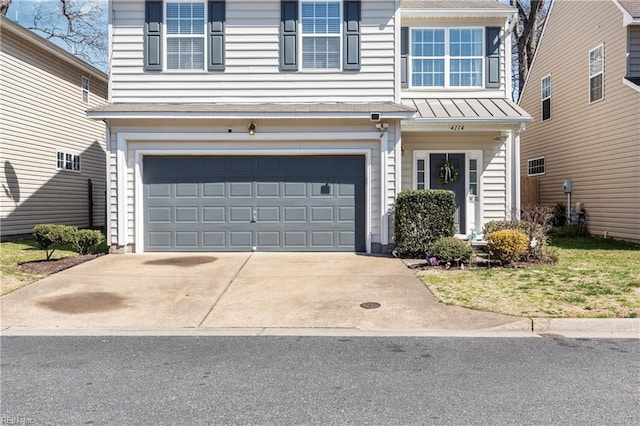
x: 594, y: 277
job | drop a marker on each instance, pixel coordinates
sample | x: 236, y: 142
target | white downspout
x: 384, y: 200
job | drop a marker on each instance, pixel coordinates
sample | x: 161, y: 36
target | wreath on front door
x: 447, y: 173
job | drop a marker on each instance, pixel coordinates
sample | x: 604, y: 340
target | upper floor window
x: 185, y: 35
x: 321, y: 31
x: 447, y: 57
x: 545, y: 95
x: 85, y: 89
x: 596, y: 74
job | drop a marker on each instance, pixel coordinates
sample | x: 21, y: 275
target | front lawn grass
x: 594, y: 278
x: 13, y: 253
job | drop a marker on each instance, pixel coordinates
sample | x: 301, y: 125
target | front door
x: 447, y: 171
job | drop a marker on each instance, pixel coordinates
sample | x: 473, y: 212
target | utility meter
x: 566, y: 185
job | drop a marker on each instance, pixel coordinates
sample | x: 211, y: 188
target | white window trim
x: 85, y: 91
x: 530, y: 160
x: 339, y: 36
x: 73, y: 162
x: 542, y: 98
x: 165, y: 36
x: 600, y: 46
x: 447, y: 58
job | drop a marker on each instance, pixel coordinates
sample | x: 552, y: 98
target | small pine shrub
x: 50, y: 236
x: 87, y: 240
x: 507, y: 245
x: 451, y: 249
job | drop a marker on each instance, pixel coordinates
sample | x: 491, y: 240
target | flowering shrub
x: 507, y: 245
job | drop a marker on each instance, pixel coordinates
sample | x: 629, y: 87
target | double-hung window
x: 67, y: 161
x: 85, y: 89
x: 536, y: 166
x: 321, y: 29
x: 451, y: 57
x: 545, y: 95
x: 185, y: 35
x: 596, y: 74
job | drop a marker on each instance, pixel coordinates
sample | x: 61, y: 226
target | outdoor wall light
x: 252, y: 129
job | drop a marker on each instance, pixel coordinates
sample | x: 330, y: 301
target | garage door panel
x: 237, y: 203
x: 214, y: 190
x: 214, y: 214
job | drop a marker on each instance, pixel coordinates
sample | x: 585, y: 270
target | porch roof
x: 386, y: 110
x: 466, y: 110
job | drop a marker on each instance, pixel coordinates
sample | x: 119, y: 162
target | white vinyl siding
x: 536, y: 166
x: 321, y: 29
x: 185, y: 38
x: 252, y: 62
x: 596, y: 74
x: 447, y: 57
x: 43, y: 111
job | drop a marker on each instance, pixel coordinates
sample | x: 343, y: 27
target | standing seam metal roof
x: 466, y: 108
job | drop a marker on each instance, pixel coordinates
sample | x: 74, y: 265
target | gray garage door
x: 266, y: 203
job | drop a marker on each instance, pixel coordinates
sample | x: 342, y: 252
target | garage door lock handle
x: 254, y: 219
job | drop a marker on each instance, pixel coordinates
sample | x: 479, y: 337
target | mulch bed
x: 47, y: 267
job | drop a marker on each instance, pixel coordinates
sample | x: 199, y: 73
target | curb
x: 600, y: 327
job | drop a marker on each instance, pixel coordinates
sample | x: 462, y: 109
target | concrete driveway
x: 240, y: 291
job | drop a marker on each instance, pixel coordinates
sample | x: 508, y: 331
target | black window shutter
x: 288, y: 35
x: 492, y: 79
x: 153, y: 36
x: 404, y: 57
x: 216, y: 35
x: 352, y: 18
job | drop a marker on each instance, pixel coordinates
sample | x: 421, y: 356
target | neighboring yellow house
x: 49, y: 150
x: 583, y: 91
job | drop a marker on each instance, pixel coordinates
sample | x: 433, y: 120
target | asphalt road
x: 319, y: 380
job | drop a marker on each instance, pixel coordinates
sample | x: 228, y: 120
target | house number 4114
x: 457, y: 127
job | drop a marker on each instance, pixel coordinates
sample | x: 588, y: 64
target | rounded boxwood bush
x: 507, y: 245
x: 451, y: 249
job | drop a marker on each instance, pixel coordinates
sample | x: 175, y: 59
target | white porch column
x: 121, y: 190
x: 384, y: 197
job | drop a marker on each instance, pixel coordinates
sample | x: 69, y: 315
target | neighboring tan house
x: 293, y: 125
x: 49, y: 150
x: 583, y: 91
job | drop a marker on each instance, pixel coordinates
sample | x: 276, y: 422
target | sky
x: 21, y: 11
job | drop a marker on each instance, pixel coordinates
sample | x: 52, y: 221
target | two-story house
x: 584, y: 93
x: 293, y: 125
x: 52, y: 158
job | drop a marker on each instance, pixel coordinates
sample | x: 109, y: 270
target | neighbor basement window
x: 535, y: 167
x: 67, y: 161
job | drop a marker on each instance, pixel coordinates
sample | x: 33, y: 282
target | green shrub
x: 451, y: 249
x: 421, y: 218
x: 569, y: 231
x: 87, y: 240
x: 49, y: 236
x: 536, y: 233
x: 559, y: 215
x: 507, y: 245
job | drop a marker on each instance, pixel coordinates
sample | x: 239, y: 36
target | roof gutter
x: 111, y: 115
